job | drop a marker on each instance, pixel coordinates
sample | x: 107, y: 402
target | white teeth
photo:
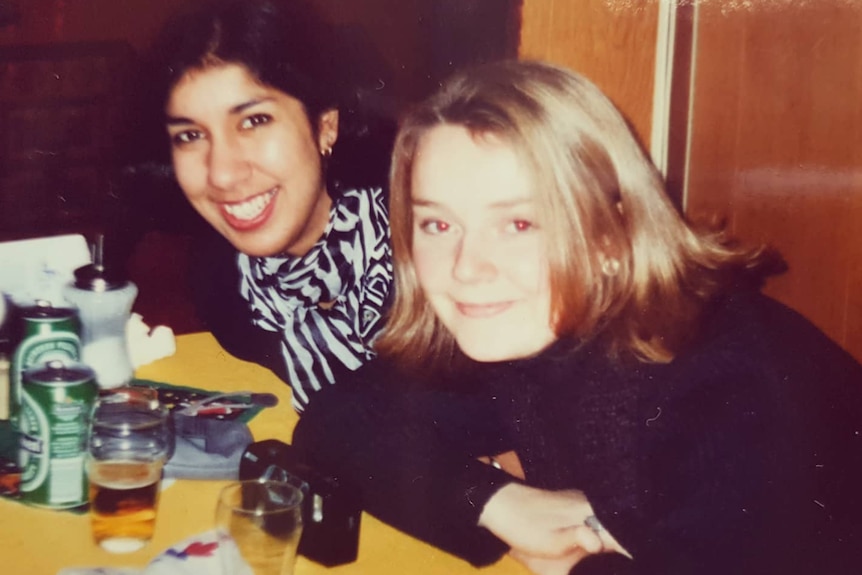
x: 250, y: 209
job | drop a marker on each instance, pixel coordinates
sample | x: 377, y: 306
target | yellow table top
x: 41, y: 542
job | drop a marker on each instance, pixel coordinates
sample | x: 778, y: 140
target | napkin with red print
x: 197, y: 555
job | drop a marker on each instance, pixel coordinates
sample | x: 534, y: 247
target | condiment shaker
x: 104, y: 301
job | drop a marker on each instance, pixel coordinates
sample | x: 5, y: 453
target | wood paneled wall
x: 49, y: 21
x: 418, y: 42
x: 611, y: 43
x: 776, y: 146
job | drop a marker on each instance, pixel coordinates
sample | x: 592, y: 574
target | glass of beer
x: 130, y: 440
x: 259, y: 523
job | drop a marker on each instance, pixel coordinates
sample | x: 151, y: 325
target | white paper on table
x: 38, y: 268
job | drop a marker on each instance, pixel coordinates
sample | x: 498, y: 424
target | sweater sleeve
x: 410, y: 473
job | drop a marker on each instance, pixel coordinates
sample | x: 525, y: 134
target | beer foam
x: 124, y: 474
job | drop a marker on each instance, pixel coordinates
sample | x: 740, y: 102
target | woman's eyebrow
x: 239, y: 108
x: 423, y: 203
x: 500, y: 205
x: 512, y: 203
x: 234, y: 110
x: 176, y: 120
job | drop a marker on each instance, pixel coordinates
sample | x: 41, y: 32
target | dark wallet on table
x: 331, y: 509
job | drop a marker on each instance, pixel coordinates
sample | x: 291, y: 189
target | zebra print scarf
x: 328, y: 305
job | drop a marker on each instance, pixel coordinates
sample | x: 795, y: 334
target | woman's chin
x: 255, y: 244
x: 489, y: 354
x: 502, y: 349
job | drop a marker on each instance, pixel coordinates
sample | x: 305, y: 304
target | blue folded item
x: 207, y: 448
x: 210, y: 428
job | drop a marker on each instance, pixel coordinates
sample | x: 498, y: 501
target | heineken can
x: 44, y: 333
x: 56, y: 404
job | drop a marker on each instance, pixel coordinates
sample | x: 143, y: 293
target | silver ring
x: 594, y: 524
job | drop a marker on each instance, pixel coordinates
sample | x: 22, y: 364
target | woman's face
x: 478, y: 248
x: 248, y: 160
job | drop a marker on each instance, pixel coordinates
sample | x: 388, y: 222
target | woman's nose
x: 228, y: 165
x: 474, y: 260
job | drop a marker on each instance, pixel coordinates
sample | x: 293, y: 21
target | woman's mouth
x: 249, y: 213
x: 476, y: 310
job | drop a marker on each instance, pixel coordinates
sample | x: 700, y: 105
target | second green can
x: 56, y: 401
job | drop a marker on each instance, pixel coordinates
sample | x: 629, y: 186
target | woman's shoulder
x: 753, y: 317
x: 751, y: 335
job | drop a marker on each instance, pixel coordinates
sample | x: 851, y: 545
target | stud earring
x: 610, y: 266
x: 326, y: 151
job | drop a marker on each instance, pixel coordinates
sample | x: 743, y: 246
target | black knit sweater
x: 743, y: 455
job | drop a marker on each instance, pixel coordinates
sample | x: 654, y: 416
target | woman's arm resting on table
x: 393, y: 446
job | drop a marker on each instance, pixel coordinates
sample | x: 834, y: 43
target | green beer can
x: 44, y: 333
x: 56, y: 403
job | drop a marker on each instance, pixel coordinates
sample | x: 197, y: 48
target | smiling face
x: 478, y: 249
x: 249, y: 161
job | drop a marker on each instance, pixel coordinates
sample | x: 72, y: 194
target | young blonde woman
x: 551, y: 302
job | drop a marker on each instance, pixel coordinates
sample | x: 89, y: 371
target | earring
x: 610, y: 266
x: 326, y: 151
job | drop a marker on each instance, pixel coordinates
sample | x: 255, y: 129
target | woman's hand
x: 554, y: 566
x: 539, y: 523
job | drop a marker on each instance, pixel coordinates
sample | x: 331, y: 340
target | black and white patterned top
x: 328, y: 305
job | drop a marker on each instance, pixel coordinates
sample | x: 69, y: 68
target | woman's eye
x: 186, y: 137
x: 255, y: 120
x: 433, y: 227
x: 518, y: 226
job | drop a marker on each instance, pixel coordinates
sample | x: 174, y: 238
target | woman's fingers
x: 549, y: 566
x: 585, y: 538
x: 564, y: 541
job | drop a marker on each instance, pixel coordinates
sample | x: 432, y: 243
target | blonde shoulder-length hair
x: 624, y: 266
